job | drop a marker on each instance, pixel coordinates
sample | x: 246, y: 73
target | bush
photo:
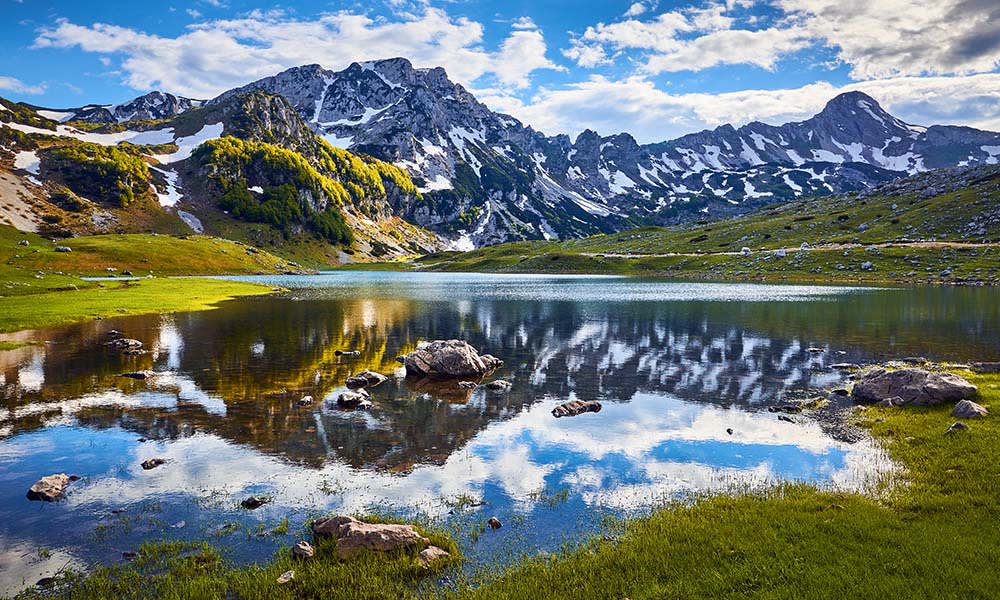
x: 101, y: 172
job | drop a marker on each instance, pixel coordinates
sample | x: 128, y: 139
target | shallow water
x: 674, y: 364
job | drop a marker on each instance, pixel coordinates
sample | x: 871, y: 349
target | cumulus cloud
x: 650, y: 114
x: 11, y: 84
x: 211, y: 57
x: 883, y: 39
x: 905, y: 37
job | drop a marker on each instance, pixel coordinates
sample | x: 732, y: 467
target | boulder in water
x: 576, y: 407
x: 449, y: 359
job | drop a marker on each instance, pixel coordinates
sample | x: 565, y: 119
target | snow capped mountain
x: 150, y: 107
x: 488, y: 178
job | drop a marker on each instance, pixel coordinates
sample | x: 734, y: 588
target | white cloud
x: 215, y: 56
x: 650, y: 114
x: 905, y: 37
x: 11, y: 84
x: 635, y: 10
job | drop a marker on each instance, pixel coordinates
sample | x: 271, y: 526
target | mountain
x: 489, y: 178
x: 479, y: 177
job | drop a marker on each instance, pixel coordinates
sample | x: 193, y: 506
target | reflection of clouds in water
x: 31, y: 376
x: 22, y: 564
x: 171, y: 342
x: 629, y: 455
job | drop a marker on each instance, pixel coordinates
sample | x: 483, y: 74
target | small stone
x: 286, y: 577
x: 815, y: 350
x: 891, y: 402
x: 430, y: 554
x: 576, y: 407
x: 365, y: 379
x: 967, y: 409
x: 786, y: 418
x: 303, y: 550
x: 152, y: 463
x: 140, y: 375
x: 358, y: 399
x: 467, y: 385
x: 729, y: 430
x: 347, y: 353
x: 63, y: 249
x: 24, y: 243
x: 255, y: 502
x: 494, y: 523
x: 130, y: 555
x: 305, y: 401
x: 957, y: 426
x: 499, y: 385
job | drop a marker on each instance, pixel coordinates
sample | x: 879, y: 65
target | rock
x: 780, y: 253
x: 286, y: 577
x: 401, y: 359
x: 499, y: 385
x: 140, y: 375
x: 867, y: 266
x: 914, y: 360
x: 845, y: 366
x: 815, y: 350
x: 303, y: 550
x: 746, y: 251
x: 358, y: 399
x: 305, y: 401
x: 804, y: 246
x: 986, y: 367
x: 127, y: 273
x: 956, y: 427
x: 430, y: 554
x: 255, y: 502
x: 354, y: 536
x: 729, y: 430
x: 786, y: 418
x: 967, y: 409
x: 152, y: 463
x: 124, y: 344
x: 50, y: 487
x: 468, y: 385
x: 130, y: 555
x: 843, y: 392
x: 576, y: 407
x: 449, y: 359
x: 365, y: 379
x: 494, y: 523
x: 24, y: 243
x: 891, y: 402
x: 63, y: 249
x: 914, y: 386
x: 347, y: 353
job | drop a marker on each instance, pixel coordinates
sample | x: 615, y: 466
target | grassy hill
x: 939, y: 226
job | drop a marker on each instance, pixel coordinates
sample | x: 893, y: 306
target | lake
x: 674, y: 364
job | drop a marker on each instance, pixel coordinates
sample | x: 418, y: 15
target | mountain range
x: 481, y: 177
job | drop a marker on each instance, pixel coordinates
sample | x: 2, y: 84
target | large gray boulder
x: 447, y: 359
x: 576, y: 407
x: 913, y: 386
x: 354, y: 536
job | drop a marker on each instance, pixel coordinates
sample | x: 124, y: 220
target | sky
x: 657, y: 69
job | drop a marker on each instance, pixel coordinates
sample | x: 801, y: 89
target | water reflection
x: 674, y: 376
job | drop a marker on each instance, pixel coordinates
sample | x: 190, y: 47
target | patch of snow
x: 27, y: 160
x: 791, y: 184
x: 463, y: 243
x: 192, y: 221
x: 795, y: 157
x: 749, y: 191
x: 186, y: 145
x: 57, y: 115
x: 749, y: 155
x: 758, y: 140
x: 338, y: 142
x: 827, y: 156
x: 156, y: 136
x: 992, y: 153
x: 908, y: 162
x: 712, y: 157
x: 868, y: 109
x: 854, y: 149
x: 438, y: 183
x: 173, y: 194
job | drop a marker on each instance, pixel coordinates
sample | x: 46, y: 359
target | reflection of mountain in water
x: 239, y: 371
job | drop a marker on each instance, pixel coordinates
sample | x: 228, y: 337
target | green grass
x: 705, y: 250
x: 185, y: 570
x: 40, y: 287
x: 935, y: 537
x: 160, y: 295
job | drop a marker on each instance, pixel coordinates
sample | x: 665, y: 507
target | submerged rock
x: 499, y: 385
x: 50, y: 487
x: 358, y: 399
x: 967, y: 409
x: 125, y: 344
x: 347, y: 353
x: 140, y: 375
x: 494, y: 523
x: 576, y: 407
x: 305, y: 401
x: 354, y: 536
x: 468, y: 385
x: 255, y: 502
x: 449, y: 359
x: 152, y: 463
x: 914, y: 386
x: 365, y: 379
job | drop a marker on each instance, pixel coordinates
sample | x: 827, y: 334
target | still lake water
x: 674, y: 364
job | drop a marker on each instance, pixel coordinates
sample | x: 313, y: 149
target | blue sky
x: 656, y: 69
